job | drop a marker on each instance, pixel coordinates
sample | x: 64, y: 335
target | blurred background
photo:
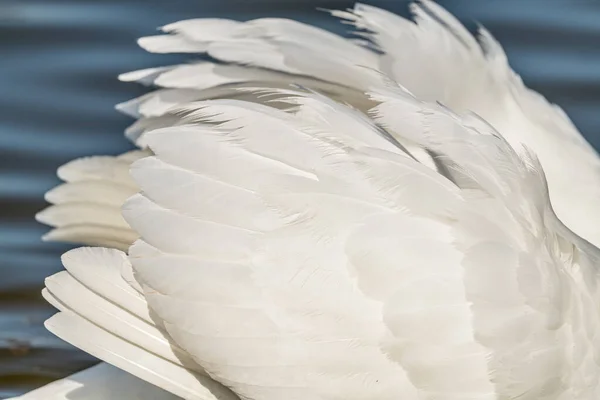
x: 58, y: 66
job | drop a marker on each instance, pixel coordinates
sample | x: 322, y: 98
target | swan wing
x: 347, y: 268
x: 438, y: 60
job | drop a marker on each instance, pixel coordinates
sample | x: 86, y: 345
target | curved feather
x: 103, y: 314
x: 407, y: 284
x: 308, y: 253
x: 425, y: 57
x: 87, y: 207
x: 101, y: 382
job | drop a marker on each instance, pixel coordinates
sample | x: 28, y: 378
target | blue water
x: 58, y: 67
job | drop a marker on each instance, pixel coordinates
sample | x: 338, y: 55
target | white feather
x: 93, y: 235
x: 96, y: 168
x: 133, y: 359
x: 96, y: 301
x: 427, y: 56
x: 101, y: 382
x: 170, y: 44
x: 86, y: 208
x: 305, y: 252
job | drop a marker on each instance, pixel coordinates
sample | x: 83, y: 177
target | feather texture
x: 101, y: 382
x: 292, y: 247
x: 425, y: 57
x: 105, y: 316
x: 86, y: 208
x: 316, y: 274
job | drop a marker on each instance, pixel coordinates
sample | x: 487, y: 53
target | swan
x: 398, y: 224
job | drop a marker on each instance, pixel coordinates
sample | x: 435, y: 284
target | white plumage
x: 290, y: 247
x: 100, y: 382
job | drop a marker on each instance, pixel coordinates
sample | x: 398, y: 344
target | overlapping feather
x: 294, y: 249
